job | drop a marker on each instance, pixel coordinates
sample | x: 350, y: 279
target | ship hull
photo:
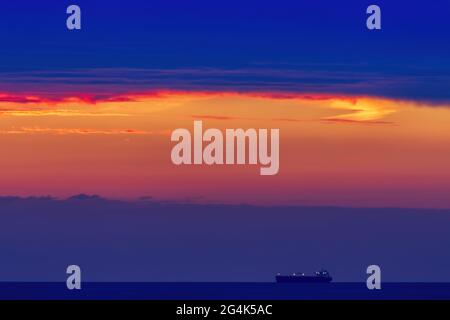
x: 303, y: 279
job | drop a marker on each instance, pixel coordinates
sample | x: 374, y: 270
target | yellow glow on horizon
x: 363, y: 109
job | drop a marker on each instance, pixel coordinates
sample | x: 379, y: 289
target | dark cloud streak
x: 109, y: 82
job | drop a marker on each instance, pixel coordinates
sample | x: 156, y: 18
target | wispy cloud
x: 81, y: 131
x: 58, y: 113
x: 214, y: 117
x: 349, y: 121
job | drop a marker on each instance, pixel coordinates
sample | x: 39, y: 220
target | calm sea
x: 222, y: 290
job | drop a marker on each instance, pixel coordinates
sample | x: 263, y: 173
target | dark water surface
x: 221, y: 290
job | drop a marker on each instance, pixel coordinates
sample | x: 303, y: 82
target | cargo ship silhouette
x: 321, y: 276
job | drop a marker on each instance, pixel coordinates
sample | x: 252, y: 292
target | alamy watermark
x: 235, y: 146
x: 73, y: 281
x: 374, y: 279
x: 73, y: 22
x: 373, y: 22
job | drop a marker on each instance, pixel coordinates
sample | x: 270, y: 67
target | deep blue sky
x: 412, y: 50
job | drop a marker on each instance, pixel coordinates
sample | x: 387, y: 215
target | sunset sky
x: 363, y: 117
